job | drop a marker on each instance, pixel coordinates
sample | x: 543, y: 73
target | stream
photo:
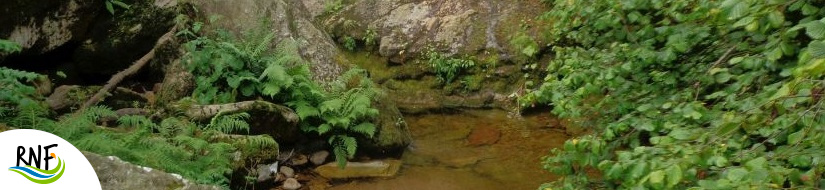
x: 473, y: 149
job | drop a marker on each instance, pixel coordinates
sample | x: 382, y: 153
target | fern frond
x: 229, y: 123
x: 366, y: 128
x: 260, y: 141
x: 138, y: 121
x: 96, y: 112
x: 304, y: 109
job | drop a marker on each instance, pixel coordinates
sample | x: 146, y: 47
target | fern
x: 260, y: 141
x: 7, y: 46
x: 229, y: 123
x: 366, y: 129
x: 344, y: 147
x: 347, y: 112
x: 137, y: 121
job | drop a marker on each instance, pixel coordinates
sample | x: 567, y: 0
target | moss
x: 376, y: 65
x: 472, y: 83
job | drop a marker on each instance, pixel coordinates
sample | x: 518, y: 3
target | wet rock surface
x: 406, y: 28
x: 375, y: 168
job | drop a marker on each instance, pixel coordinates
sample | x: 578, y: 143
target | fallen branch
x: 112, y: 83
x: 203, y: 112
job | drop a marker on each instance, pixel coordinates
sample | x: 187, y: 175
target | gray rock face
x: 287, y: 19
x: 102, y: 43
x: 114, y: 173
x: 406, y: 28
x: 40, y: 26
x: 116, y: 41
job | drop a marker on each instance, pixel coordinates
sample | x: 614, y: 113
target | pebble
x: 291, y: 184
x: 319, y: 157
x: 287, y: 171
x: 299, y: 160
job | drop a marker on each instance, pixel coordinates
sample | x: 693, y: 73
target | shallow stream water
x: 473, y: 149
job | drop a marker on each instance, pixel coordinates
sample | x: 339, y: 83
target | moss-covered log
x: 203, y: 112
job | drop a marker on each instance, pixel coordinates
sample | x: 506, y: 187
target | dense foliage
x: 679, y: 94
x: 228, y: 69
x: 174, y: 144
x: 447, y: 68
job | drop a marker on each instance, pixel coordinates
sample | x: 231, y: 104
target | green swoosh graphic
x: 52, y: 171
x: 45, y: 181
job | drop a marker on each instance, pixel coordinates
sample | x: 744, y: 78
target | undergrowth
x: 688, y: 94
x: 228, y: 69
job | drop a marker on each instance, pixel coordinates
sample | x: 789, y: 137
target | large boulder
x: 291, y: 20
x: 40, y: 26
x: 116, y: 41
x: 406, y: 28
x: 82, y: 35
x: 114, y: 173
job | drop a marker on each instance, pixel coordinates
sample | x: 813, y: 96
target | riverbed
x: 473, y: 149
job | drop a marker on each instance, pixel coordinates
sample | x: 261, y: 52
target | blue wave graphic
x: 31, y: 172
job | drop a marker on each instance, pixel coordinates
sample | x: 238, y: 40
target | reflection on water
x: 476, y: 149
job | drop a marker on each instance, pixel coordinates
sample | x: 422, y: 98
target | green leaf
x: 657, y: 179
x: 743, y: 22
x: 722, y: 78
x: 61, y: 74
x: 809, y: 9
x: 738, y: 10
x: 785, y: 90
x: 796, y: 137
x: 682, y: 134
x: 324, y: 128
x: 109, y: 7
x: 120, y: 4
x: 736, y: 174
x: 368, y: 129
x: 758, y: 163
x: 817, y: 49
x: 815, y: 29
x: 776, y: 18
x: 674, y: 175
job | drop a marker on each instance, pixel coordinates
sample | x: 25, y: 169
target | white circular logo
x: 39, y: 160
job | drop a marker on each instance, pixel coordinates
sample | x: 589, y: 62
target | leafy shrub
x: 225, y: 66
x: 349, y: 43
x: 175, y: 145
x: 345, y: 114
x: 370, y: 37
x: 331, y: 6
x: 688, y: 94
x: 445, y: 68
x: 525, y: 44
x: 110, y: 5
x: 7, y: 46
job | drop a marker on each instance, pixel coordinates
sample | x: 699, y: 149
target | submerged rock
x: 377, y: 168
x: 265, y: 171
x: 291, y: 184
x: 287, y: 171
x: 298, y: 160
x: 484, y: 135
x: 114, y: 173
x: 319, y: 157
